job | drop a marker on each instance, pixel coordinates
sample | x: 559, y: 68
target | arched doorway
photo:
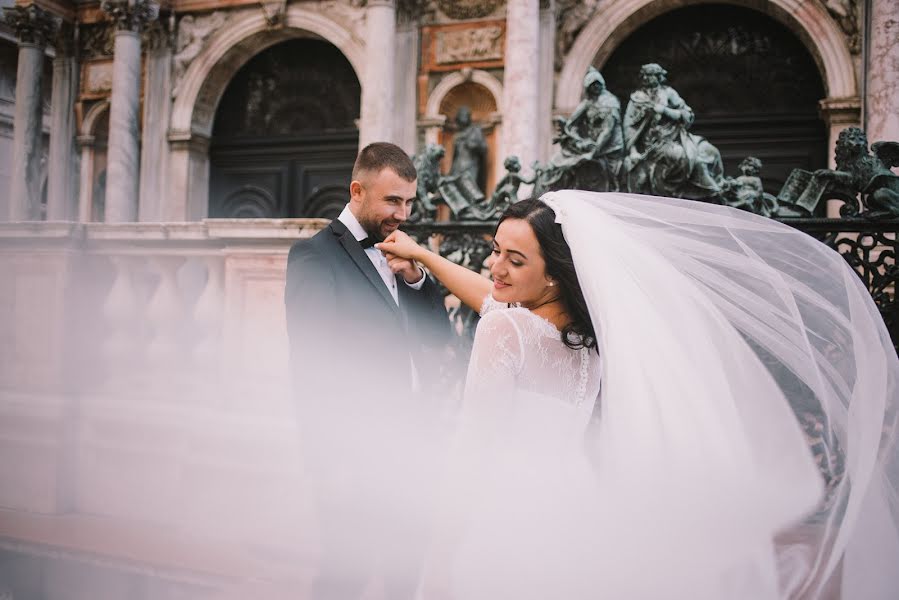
x: 751, y: 83
x: 284, y: 137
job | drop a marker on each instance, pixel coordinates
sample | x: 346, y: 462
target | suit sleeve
x: 310, y: 305
x: 429, y: 314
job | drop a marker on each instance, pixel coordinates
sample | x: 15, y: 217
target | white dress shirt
x: 376, y: 256
x: 380, y: 262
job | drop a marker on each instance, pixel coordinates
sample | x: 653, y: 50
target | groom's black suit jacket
x: 347, y: 335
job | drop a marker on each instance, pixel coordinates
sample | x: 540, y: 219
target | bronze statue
x: 427, y: 164
x: 870, y: 176
x: 458, y: 192
x: 506, y: 191
x: 469, y: 149
x: 745, y: 191
x: 661, y: 156
x: 590, y: 141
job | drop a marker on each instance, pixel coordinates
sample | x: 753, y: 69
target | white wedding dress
x: 719, y: 332
x: 529, y: 402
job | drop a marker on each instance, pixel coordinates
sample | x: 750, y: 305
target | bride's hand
x: 401, y: 245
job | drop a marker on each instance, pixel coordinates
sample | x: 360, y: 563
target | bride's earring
x: 552, y: 283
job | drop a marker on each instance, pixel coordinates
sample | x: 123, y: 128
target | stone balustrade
x: 143, y: 380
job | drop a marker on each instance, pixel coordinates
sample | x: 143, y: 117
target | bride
x: 647, y: 384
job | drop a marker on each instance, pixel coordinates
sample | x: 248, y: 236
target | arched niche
x: 482, y: 93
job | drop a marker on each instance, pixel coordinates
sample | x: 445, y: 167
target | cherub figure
x: 745, y: 191
x: 506, y: 191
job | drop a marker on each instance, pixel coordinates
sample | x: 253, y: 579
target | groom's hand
x: 410, y: 271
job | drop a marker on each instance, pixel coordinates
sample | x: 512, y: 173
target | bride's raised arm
x: 469, y: 287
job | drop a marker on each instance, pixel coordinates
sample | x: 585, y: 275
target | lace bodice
x: 518, y: 353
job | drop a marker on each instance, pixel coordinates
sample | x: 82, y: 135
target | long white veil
x: 746, y: 444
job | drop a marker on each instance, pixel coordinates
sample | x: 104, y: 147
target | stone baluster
x: 121, y: 310
x: 122, y: 172
x: 208, y: 313
x: 61, y: 197
x: 165, y: 315
x: 34, y: 27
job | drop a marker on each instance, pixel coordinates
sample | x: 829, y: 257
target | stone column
x: 407, y: 44
x: 882, y: 107
x: 122, y: 172
x: 545, y: 82
x: 34, y: 28
x: 377, y: 89
x: 86, y: 180
x: 520, y: 98
x: 61, y: 197
x: 154, y: 153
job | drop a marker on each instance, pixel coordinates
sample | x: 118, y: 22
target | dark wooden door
x: 285, y: 139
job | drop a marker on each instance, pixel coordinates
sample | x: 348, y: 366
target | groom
x: 366, y: 334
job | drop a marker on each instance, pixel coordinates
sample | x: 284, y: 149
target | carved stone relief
x: 571, y: 17
x: 469, y: 45
x: 847, y: 15
x: 97, y: 77
x: 351, y: 15
x: 192, y: 34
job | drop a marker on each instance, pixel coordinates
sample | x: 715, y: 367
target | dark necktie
x: 368, y: 242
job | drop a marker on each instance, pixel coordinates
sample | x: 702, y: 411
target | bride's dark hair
x: 579, y: 333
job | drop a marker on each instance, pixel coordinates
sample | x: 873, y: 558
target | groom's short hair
x: 383, y: 155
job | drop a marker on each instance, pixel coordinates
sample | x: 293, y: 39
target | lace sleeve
x: 496, y: 359
x: 490, y: 305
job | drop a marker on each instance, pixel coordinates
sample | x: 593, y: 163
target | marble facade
x: 163, y: 78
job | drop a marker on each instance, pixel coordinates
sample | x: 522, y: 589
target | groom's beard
x: 378, y: 230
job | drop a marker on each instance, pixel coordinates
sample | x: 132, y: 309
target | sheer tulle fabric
x: 734, y: 345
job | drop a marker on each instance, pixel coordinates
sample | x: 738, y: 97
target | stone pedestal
x: 61, y: 196
x: 34, y: 28
x: 122, y: 171
x: 882, y: 106
x: 521, y: 128
x: 377, y: 88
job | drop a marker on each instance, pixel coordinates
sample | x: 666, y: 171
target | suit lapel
x: 362, y: 261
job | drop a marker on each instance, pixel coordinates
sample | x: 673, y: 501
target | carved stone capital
x: 64, y: 40
x: 130, y: 15
x: 157, y: 35
x: 33, y: 24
